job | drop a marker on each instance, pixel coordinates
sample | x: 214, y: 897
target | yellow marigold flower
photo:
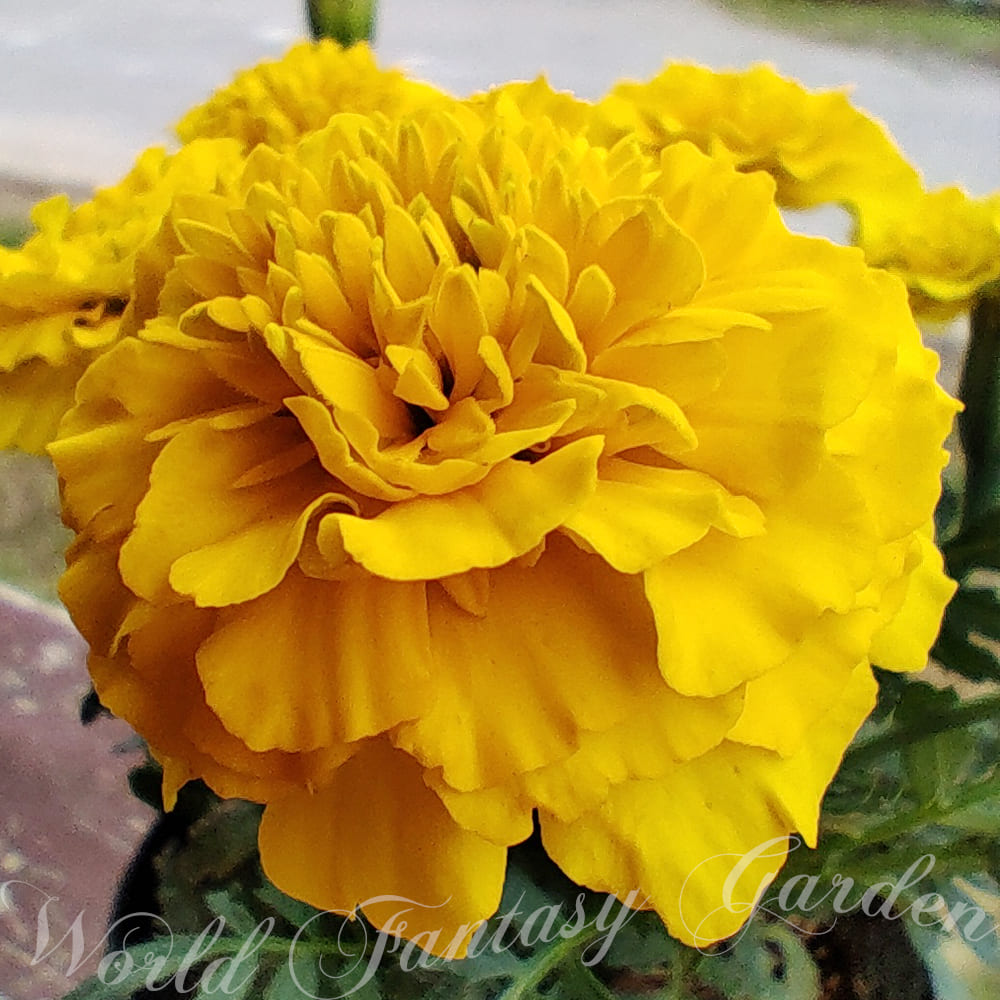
x: 279, y: 101
x: 537, y: 100
x: 944, y: 245
x: 817, y: 146
x: 62, y: 295
x: 820, y: 148
x: 461, y: 470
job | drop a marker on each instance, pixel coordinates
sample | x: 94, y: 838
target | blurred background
x: 84, y: 87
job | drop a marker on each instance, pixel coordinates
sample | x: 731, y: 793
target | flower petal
x: 728, y: 814
x: 902, y: 643
x: 638, y: 515
x: 782, y: 706
x: 772, y: 590
x: 341, y: 847
x: 490, y: 523
x: 561, y: 650
x: 355, y: 664
x: 251, y: 534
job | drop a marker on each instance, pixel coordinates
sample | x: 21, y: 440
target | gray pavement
x: 85, y: 86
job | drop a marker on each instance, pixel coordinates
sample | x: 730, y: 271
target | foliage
x: 963, y: 29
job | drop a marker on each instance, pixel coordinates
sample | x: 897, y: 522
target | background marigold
x: 820, y: 148
x: 62, y: 295
x: 460, y: 470
x: 279, y: 101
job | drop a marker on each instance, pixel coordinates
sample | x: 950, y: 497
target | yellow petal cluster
x: 820, y: 148
x: 943, y: 244
x: 280, y: 100
x: 457, y: 469
x: 63, y: 294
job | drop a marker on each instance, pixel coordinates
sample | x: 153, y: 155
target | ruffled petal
x: 639, y: 515
x: 35, y: 398
x: 489, y: 524
x: 728, y: 814
x: 895, y: 436
x: 783, y: 705
x: 903, y: 643
x: 238, y: 541
x: 560, y: 650
x: 340, y: 847
x: 772, y: 591
x: 360, y: 656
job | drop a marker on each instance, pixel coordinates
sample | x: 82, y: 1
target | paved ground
x: 67, y: 823
x: 84, y: 87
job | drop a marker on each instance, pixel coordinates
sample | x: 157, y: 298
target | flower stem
x: 345, y: 21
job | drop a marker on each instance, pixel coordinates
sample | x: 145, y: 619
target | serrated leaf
x: 293, y: 982
x: 765, y: 962
x: 153, y: 962
x: 982, y: 817
x: 644, y: 945
x: 937, y: 766
x: 227, y: 904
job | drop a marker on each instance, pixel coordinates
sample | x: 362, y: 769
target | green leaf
x: 226, y: 903
x: 295, y: 914
x: 573, y: 981
x: 294, y: 982
x: 937, y: 767
x: 977, y: 546
x: 948, y: 513
x: 643, y: 945
x: 963, y: 656
x: 767, y: 961
x: 153, y: 963
x: 14, y: 232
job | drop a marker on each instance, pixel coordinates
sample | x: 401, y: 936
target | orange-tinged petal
x: 265, y: 520
x: 728, y: 813
x: 340, y: 847
x: 359, y: 655
x: 491, y: 523
x: 561, y: 650
x: 35, y: 397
